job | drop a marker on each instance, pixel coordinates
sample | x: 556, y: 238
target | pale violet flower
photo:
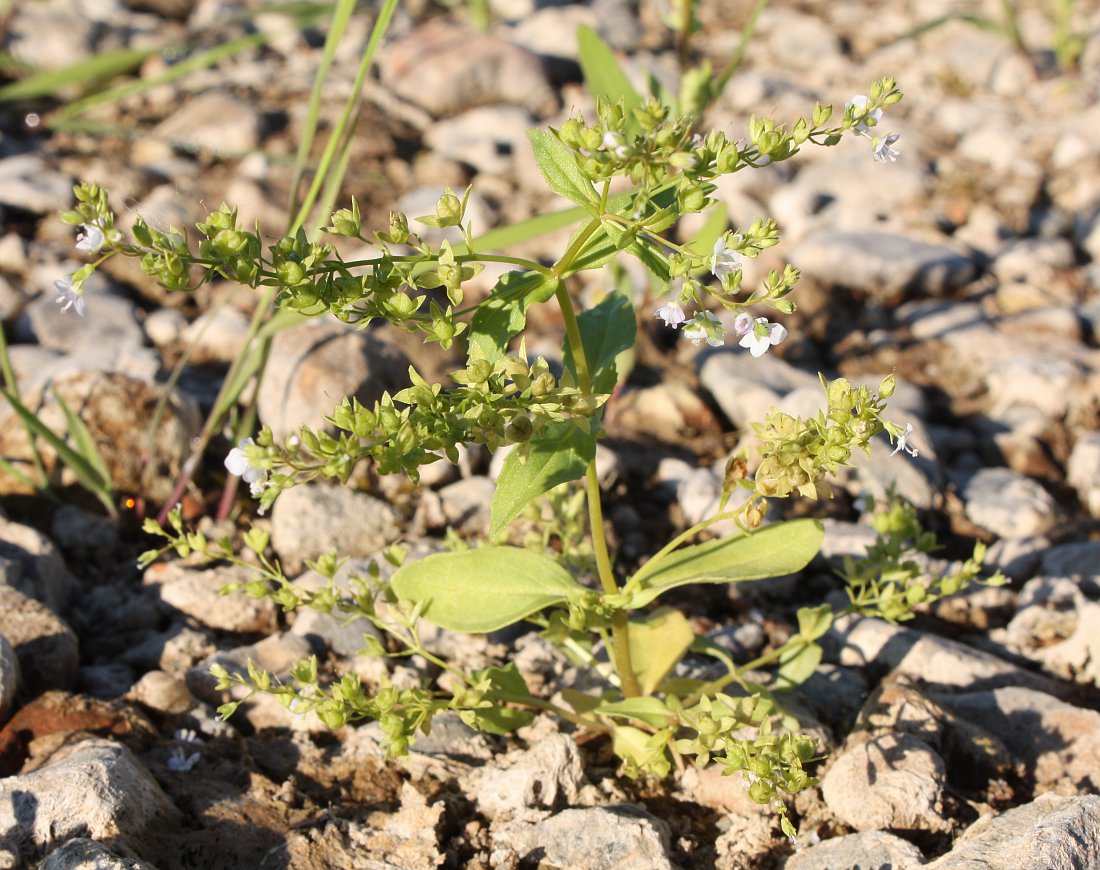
x: 743, y: 323
x: 903, y: 442
x: 860, y: 102
x: 723, y: 259
x: 69, y: 296
x: 762, y: 336
x: 705, y: 326
x: 237, y: 463
x: 90, y: 238
x: 180, y: 762
x: 672, y: 314
x: 884, y: 151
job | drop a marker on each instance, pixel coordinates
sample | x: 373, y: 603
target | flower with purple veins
x: 705, y: 326
x: 69, y: 296
x: 672, y: 314
x: 762, y: 336
x: 884, y: 152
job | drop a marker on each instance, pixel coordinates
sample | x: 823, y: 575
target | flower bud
x: 449, y: 210
x: 399, y: 228
x: 886, y: 388
x: 289, y: 273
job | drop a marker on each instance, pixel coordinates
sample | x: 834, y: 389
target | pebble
x: 859, y: 851
x: 81, y: 853
x: 1008, y: 504
x: 547, y: 775
x: 29, y: 183
x: 215, y: 121
x: 110, y: 322
x: 9, y: 678
x: 84, y: 535
x: 218, y: 336
x: 29, y: 562
x: 1083, y: 471
x: 490, y: 139
x: 891, y: 781
x: 885, y: 266
x: 46, y: 647
x: 1054, y: 832
x: 105, y: 681
x: 312, y: 367
x: 612, y: 837
x: 466, y: 504
x: 162, y: 692
x: 447, y: 69
x: 310, y: 520
x: 197, y: 594
x: 97, y: 789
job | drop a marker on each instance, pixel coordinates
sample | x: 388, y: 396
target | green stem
x: 734, y: 675
x: 648, y: 567
x: 567, y: 715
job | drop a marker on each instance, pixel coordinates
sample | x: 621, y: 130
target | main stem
x: 620, y: 624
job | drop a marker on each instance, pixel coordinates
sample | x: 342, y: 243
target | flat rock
x: 1052, y: 832
x: 314, y: 366
x: 98, y: 789
x: 46, y: 647
x: 214, y: 121
x: 862, y: 851
x: 29, y: 183
x: 885, y: 266
x: 313, y: 519
x: 891, y: 781
x: 110, y: 322
x: 197, y: 594
x: 1008, y: 504
x: 547, y: 775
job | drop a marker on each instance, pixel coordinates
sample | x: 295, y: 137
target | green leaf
x: 606, y: 331
x: 580, y: 701
x: 652, y: 711
x: 772, y: 551
x: 85, y: 443
x: 559, y: 167
x: 558, y: 453
x: 603, y: 74
x: 657, y: 643
x: 798, y: 665
x: 507, y: 685
x: 814, y: 621
x: 504, y: 313
x: 484, y: 589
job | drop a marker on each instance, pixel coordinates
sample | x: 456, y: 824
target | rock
x: 409, y: 837
x: 84, y: 854
x: 9, y: 678
x: 314, y: 366
x: 117, y: 410
x: 447, y: 69
x: 196, y: 593
x: 667, y: 412
x: 1083, y: 471
x: 835, y: 695
x: 746, y: 388
x: 913, y: 478
x: 97, y: 789
x: 862, y: 851
x: 214, y: 121
x: 466, y: 505
x: 891, y: 781
x: 1077, y: 561
x: 83, y: 535
x: 218, y: 335
x: 1053, y: 832
x: 105, y: 681
x: 46, y: 647
x: 547, y: 775
x: 1008, y: 504
x: 612, y: 837
x: 934, y: 318
x: 162, y: 692
x: 490, y: 139
x: 29, y: 183
x: 1059, y: 744
x: 110, y: 326
x: 885, y: 266
x: 313, y: 519
x: 30, y: 563
x: 164, y: 326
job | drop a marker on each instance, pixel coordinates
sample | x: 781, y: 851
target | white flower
x: 179, y: 761
x: 723, y: 260
x: 743, y: 323
x: 237, y: 463
x: 613, y: 142
x: 90, y: 238
x: 860, y: 102
x: 672, y: 314
x: 705, y: 326
x: 883, y: 152
x: 903, y: 442
x: 762, y: 336
x: 69, y: 296
x: 186, y: 735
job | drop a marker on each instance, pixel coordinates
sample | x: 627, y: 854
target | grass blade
x: 85, y: 73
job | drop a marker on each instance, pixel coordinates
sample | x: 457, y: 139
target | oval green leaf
x: 775, y: 550
x: 485, y: 589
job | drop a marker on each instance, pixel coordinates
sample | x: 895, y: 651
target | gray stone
x: 9, y: 678
x: 1058, y: 743
x: 310, y: 520
x: 1052, y: 832
x: 547, y: 775
x: 447, y: 69
x: 862, y: 851
x: 613, y: 837
x: 890, y: 781
x: 197, y: 593
x: 84, y: 854
x: 110, y: 322
x: 97, y: 789
x: 746, y: 388
x: 84, y: 535
x: 29, y: 183
x: 214, y: 121
x: 885, y: 266
x: 314, y: 366
x: 162, y: 692
x: 1008, y: 504
x: 46, y: 647
x: 164, y: 326
x: 30, y: 563
x: 1079, y: 560
x: 107, y: 681
x: 490, y: 138
x: 1083, y: 471
x: 466, y: 505
x: 913, y: 478
x: 933, y: 318
x: 218, y: 335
